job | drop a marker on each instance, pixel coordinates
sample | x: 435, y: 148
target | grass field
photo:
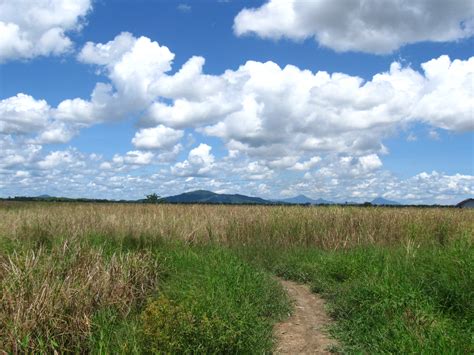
x: 117, y: 278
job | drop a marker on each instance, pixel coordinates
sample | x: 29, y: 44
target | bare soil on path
x: 305, y: 331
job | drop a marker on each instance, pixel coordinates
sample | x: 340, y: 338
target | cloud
x: 253, y: 170
x: 22, y: 114
x: 200, y: 162
x: 56, y: 159
x: 435, y: 186
x: 25, y: 169
x: 318, y: 132
x: 281, y: 116
x: 434, y: 135
x: 359, y: 25
x: 31, y: 28
x: 134, y: 157
x: 412, y: 137
x: 349, y: 167
x: 184, y: 8
x: 17, y: 153
x: 131, y: 160
x: 346, y: 179
x: 261, y: 109
x: 370, y: 162
x: 133, y: 65
x: 73, y: 174
x: 306, y: 165
x: 56, y: 132
x: 447, y: 100
x: 25, y: 116
x: 277, y: 108
x: 159, y: 137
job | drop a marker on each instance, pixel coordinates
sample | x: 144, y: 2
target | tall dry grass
x: 48, y: 299
x: 322, y: 227
x: 52, y: 283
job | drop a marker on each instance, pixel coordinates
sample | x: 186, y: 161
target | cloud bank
x: 326, y: 129
x: 370, y: 26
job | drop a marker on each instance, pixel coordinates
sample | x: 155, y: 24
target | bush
x: 171, y: 328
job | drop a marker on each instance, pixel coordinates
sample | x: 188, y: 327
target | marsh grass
x: 117, y: 278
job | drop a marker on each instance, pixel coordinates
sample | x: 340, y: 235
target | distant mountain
x: 302, y: 199
x: 381, y: 201
x: 203, y: 196
x: 321, y: 201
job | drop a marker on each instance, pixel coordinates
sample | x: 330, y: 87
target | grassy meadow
x: 123, y: 278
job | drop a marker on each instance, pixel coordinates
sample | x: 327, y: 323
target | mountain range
x: 380, y: 201
x: 302, y: 199
x: 203, y: 196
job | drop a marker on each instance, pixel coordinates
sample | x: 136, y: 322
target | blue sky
x: 338, y: 100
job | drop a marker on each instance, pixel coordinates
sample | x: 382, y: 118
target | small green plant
x: 171, y: 328
x: 167, y: 326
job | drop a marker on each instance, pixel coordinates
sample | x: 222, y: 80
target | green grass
x: 133, y: 295
x: 231, y: 306
x: 209, y: 301
x: 393, y: 299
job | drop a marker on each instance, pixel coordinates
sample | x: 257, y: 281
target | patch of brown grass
x: 322, y: 227
x: 48, y: 298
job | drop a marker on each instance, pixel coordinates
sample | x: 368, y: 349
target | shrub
x: 171, y: 328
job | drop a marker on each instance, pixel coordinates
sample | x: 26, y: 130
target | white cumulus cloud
x: 329, y: 127
x: 447, y: 101
x: 58, y: 158
x: 133, y: 66
x: 200, y: 162
x: 360, y: 25
x: 23, y: 114
x: 306, y: 165
x: 159, y: 137
x: 134, y: 157
x: 30, y: 28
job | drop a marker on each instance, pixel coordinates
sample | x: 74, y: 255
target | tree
x: 153, y: 198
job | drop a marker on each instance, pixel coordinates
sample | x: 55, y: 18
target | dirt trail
x: 305, y: 331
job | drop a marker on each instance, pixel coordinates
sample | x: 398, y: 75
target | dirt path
x: 304, y: 332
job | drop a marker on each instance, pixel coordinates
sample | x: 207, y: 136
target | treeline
x: 163, y: 200
x: 67, y: 199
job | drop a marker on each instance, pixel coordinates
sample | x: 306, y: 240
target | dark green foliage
x: 152, y: 198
